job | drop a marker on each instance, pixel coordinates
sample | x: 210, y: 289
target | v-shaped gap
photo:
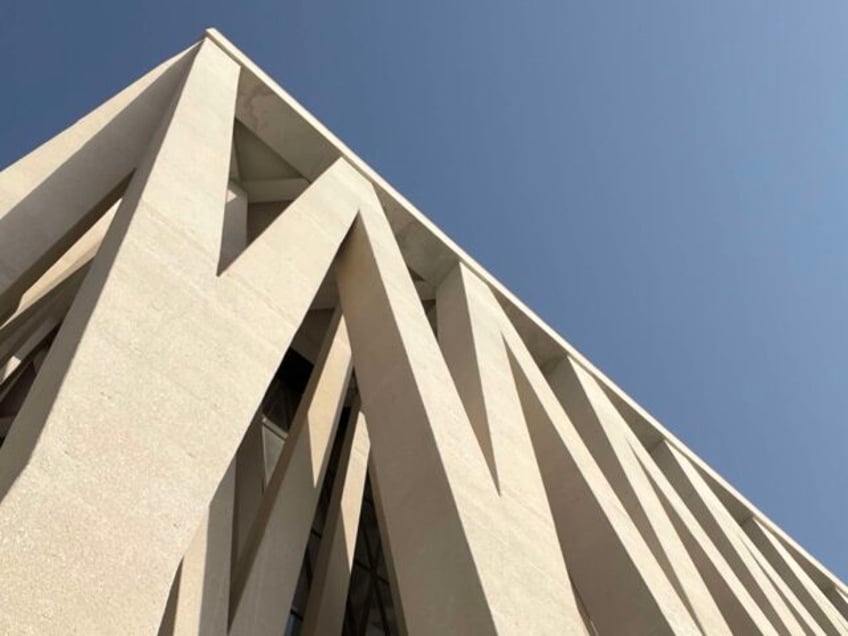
x: 261, y: 186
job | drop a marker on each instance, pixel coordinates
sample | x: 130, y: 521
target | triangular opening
x: 370, y: 605
x: 261, y: 186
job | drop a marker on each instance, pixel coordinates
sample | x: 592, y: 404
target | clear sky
x: 665, y: 183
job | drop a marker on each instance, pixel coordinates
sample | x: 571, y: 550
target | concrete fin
x: 392, y: 343
x: 157, y: 264
x: 727, y: 536
x: 604, y: 432
x: 460, y: 346
x: 742, y: 613
x: 431, y: 467
x: 249, y: 486
x: 813, y: 599
x: 265, y: 582
x: 799, y: 611
x: 328, y: 594
x: 199, y: 598
x: 50, y: 197
x: 595, y: 531
x: 839, y: 598
x: 196, y: 280
x: 471, y: 336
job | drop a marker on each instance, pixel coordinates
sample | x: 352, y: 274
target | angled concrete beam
x: 235, y: 172
x: 234, y: 235
x: 469, y: 332
x: 265, y: 584
x: 742, y: 613
x: 655, y: 506
x: 801, y: 613
x: 798, y: 581
x: 270, y: 112
x: 595, y: 534
x: 397, y: 601
x: 403, y: 378
x: 77, y: 256
x: 605, y: 433
x: 728, y: 538
x: 431, y: 468
x: 29, y: 324
x: 28, y: 328
x: 178, y: 383
x: 50, y: 197
x: 839, y: 599
x: 202, y: 597
x: 249, y: 486
x: 328, y: 593
x: 266, y: 191
x: 158, y: 264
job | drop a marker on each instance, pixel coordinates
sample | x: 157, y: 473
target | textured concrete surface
x: 179, y: 241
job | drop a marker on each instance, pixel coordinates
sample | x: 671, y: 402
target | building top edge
x: 549, y: 343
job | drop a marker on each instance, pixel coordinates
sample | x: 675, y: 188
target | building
x: 248, y: 388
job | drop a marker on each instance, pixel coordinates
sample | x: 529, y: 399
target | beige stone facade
x: 247, y: 388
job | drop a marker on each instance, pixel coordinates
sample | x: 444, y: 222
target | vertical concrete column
x: 265, y: 583
x: 325, y: 608
x: 727, y: 536
x: 603, y: 430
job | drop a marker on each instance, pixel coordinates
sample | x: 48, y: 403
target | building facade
x: 247, y: 388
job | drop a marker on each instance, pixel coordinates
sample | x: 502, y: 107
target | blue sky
x: 666, y: 183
